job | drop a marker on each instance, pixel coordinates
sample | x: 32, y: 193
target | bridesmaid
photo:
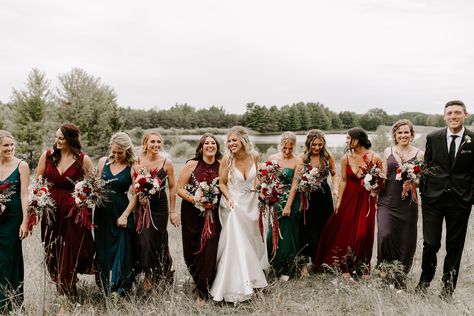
x: 283, y: 262
x: 153, y: 254
x: 320, y: 203
x: 347, y: 239
x: 396, y: 217
x: 200, y: 252
x: 114, y: 231
x: 69, y: 247
x: 14, y: 177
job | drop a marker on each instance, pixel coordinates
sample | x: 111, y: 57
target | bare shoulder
x: 23, y: 166
x: 191, y: 164
x: 255, y: 155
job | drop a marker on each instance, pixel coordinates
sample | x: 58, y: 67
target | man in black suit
x: 447, y: 194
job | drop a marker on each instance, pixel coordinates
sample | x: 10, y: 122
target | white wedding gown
x: 241, y: 254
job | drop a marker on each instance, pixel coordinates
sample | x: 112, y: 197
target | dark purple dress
x: 397, y: 220
x: 201, y: 263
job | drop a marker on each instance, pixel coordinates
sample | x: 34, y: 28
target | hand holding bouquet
x: 146, y: 185
x: 374, y: 178
x: 411, y: 173
x: 206, y: 197
x: 269, y: 190
x: 41, y: 204
x: 310, y: 181
x: 5, y: 193
x: 88, y: 193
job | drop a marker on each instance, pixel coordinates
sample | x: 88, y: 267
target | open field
x: 327, y: 294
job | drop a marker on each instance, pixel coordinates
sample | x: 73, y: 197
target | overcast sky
x: 399, y: 55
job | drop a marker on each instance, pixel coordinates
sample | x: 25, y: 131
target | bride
x: 241, y: 255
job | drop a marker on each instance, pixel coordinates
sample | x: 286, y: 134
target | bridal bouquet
x: 269, y: 190
x: 146, y: 184
x: 41, y: 203
x: 5, y: 193
x: 206, y: 196
x: 88, y: 193
x: 310, y: 181
x: 410, y: 174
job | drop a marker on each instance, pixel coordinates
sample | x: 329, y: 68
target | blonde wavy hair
x: 287, y: 137
x: 122, y: 140
x: 4, y: 134
x: 243, y: 135
x: 146, y: 136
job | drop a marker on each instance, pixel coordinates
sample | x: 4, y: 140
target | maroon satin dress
x: 69, y: 248
x: 347, y: 239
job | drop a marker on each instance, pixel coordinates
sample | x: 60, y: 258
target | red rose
x: 142, y: 181
x: 416, y: 169
x: 86, y: 190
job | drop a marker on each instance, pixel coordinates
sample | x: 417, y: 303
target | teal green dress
x: 114, y: 250
x: 284, y: 262
x: 11, y: 256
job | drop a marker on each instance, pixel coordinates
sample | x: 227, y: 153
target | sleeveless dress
x: 320, y: 209
x: 241, y: 254
x: 396, y: 220
x: 152, y: 249
x: 288, y: 244
x: 201, y: 263
x: 69, y: 248
x: 114, y: 245
x: 347, y: 239
x: 11, y: 255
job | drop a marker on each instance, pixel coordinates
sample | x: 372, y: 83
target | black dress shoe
x: 422, y: 287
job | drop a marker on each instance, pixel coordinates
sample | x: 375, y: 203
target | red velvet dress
x: 347, y: 239
x: 69, y: 248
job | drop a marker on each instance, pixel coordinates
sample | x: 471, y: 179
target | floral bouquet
x: 411, y: 173
x: 269, y: 190
x: 146, y: 184
x: 206, y: 197
x: 88, y: 193
x: 41, y: 203
x: 5, y: 193
x: 310, y: 181
x: 373, y: 178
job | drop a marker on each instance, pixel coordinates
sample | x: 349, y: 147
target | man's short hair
x: 456, y: 102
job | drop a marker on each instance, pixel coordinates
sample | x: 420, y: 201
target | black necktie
x: 452, y: 149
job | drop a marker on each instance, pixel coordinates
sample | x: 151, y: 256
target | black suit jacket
x: 457, y: 179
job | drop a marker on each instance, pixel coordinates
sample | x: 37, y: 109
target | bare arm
x: 342, y: 183
x: 40, y: 170
x: 132, y: 203
x: 183, y: 180
x: 294, y: 188
x: 223, y: 180
x: 25, y: 182
x: 169, y: 169
x: 87, y: 166
x: 334, y: 178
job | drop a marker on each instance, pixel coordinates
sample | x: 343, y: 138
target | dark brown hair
x: 202, y: 140
x: 71, y: 134
x: 456, y: 102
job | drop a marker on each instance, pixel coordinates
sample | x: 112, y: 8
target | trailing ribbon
x: 144, y: 217
x: 208, y: 230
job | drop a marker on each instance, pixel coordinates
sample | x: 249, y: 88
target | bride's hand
x: 230, y: 204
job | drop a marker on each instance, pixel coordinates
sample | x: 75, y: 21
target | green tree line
x: 35, y: 111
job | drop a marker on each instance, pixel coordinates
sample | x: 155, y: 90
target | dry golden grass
x: 325, y: 294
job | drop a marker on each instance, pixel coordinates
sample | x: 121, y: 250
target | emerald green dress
x: 284, y: 262
x: 11, y: 256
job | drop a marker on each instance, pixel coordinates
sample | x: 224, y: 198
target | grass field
x: 326, y: 294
